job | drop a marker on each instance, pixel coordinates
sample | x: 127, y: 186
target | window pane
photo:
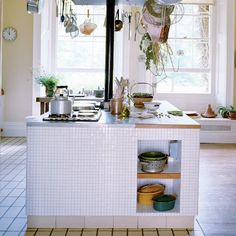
x: 77, y: 81
x: 181, y: 82
x: 86, y: 54
x: 196, y: 54
x: 190, y: 41
x: 76, y: 56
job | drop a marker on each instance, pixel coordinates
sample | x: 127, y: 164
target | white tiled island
x: 86, y: 174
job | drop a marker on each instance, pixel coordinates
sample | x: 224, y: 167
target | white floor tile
x: 8, y: 201
x: 13, y: 212
x: 18, y: 224
x: 3, y: 210
x: 5, y: 223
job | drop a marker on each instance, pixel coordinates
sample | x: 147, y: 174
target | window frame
x: 210, y: 70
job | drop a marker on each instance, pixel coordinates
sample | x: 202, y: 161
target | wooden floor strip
x: 165, y: 232
x: 180, y: 232
x: 104, y: 232
x: 30, y: 232
x: 59, y: 232
x: 89, y: 232
x: 135, y: 232
x: 74, y: 232
x: 43, y: 232
x: 150, y: 232
x: 119, y: 232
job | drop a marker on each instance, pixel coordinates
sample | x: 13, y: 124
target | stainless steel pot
x: 153, y: 161
x: 153, y: 166
x: 60, y: 104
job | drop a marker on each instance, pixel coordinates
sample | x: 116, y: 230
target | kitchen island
x: 86, y: 174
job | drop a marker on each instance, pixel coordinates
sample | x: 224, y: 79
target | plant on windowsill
x: 49, y: 82
x: 227, y: 112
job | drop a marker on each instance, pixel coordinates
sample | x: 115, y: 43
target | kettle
x: 60, y: 104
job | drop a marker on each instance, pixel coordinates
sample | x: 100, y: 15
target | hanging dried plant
x: 156, y: 55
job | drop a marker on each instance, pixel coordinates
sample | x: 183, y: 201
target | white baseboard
x: 110, y: 222
x: 14, y: 129
x: 217, y: 137
x: 217, y: 130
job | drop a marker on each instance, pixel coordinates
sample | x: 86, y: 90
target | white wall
x: 1, y: 95
x: 235, y: 57
x: 17, y: 66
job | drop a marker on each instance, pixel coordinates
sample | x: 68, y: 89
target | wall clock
x: 9, y: 33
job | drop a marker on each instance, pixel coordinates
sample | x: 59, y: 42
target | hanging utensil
x: 129, y: 17
x: 62, y: 16
x: 118, y: 22
x: 87, y: 27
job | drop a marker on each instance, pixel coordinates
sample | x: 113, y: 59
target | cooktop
x: 82, y: 115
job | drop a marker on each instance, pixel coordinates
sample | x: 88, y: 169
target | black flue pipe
x: 109, y: 58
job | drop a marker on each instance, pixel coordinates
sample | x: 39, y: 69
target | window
x: 190, y: 41
x: 80, y: 61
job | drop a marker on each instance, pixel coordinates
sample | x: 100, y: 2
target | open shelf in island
x: 151, y: 210
x: 172, y: 170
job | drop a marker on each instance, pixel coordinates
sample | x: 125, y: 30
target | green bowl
x: 152, y: 156
x: 164, y: 202
x: 148, y: 159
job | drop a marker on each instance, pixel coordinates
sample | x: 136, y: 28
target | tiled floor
x: 12, y: 201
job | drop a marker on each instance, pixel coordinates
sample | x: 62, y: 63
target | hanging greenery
x: 156, y: 55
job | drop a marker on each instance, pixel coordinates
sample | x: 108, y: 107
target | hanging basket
x: 139, y: 98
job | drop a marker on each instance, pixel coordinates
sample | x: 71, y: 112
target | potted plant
x: 50, y: 82
x: 227, y: 112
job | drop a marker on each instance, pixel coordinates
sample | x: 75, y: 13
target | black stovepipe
x: 110, y: 8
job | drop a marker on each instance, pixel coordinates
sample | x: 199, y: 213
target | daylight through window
x: 190, y: 41
x: 80, y: 61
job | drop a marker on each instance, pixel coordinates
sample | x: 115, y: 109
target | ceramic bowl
x: 145, y: 197
x: 151, y: 105
x: 164, y: 203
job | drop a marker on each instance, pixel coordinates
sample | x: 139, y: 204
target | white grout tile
x: 5, y: 192
x: 98, y: 222
x: 125, y: 222
x: 21, y: 185
x: 180, y: 222
x: 13, y: 212
x: 12, y: 233
x: 5, y: 223
x: 151, y: 222
x: 69, y: 222
x: 3, y: 210
x: 16, y: 192
x: 8, y: 201
x: 22, y: 213
x: 19, y: 202
x: 18, y: 224
x: 41, y: 222
x: 12, y: 184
